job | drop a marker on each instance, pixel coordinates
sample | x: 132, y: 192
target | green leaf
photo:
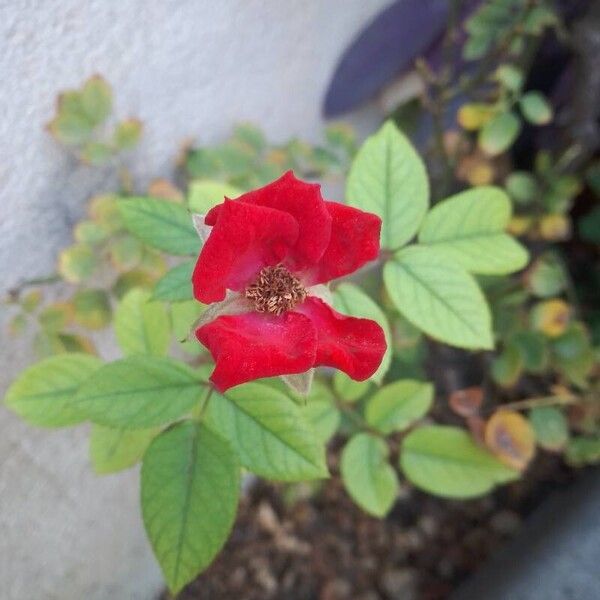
x: 351, y: 300
x: 445, y: 461
x: 126, y: 252
x: 324, y: 417
x: 42, y: 394
x: 398, y: 405
x: 268, y: 432
x: 507, y: 366
x: 71, y: 125
x: 92, y: 308
x: 183, y: 316
x: 573, y: 354
x: 439, y: 297
x: 468, y: 229
x: 250, y: 135
x: 190, y: 491
x: 90, y: 232
x: 54, y: 317
x: 77, y: 263
x: 176, y: 284
x: 161, y: 224
x: 510, y: 76
x: 550, y: 427
x: 142, y: 326
x: 535, y: 108
x: 546, y: 278
x: 498, y: 134
x: 538, y: 18
x: 389, y: 179
x: 522, y: 186
x: 130, y: 280
x: 583, y: 451
x: 367, y: 475
x: 96, y: 153
x: 113, y: 450
x: 347, y: 389
x: 96, y: 99
x: 203, y: 194
x: 533, y: 348
x: 128, y: 134
x: 139, y: 392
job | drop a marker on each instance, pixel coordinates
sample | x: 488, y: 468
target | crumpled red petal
x: 355, y: 346
x: 304, y: 202
x: 354, y: 241
x: 244, y: 238
x: 254, y: 345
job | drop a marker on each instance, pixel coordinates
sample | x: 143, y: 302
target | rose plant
x: 255, y: 287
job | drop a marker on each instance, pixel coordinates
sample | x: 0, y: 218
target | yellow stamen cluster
x: 275, y: 291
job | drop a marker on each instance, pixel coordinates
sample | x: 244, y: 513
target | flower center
x: 275, y: 291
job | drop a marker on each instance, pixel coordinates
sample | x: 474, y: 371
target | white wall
x: 188, y: 69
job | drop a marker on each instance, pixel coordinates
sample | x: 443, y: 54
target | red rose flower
x: 261, y: 265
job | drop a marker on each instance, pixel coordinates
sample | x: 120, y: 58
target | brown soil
x: 321, y: 546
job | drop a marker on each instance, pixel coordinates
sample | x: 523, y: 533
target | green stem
x: 200, y: 409
x: 538, y: 402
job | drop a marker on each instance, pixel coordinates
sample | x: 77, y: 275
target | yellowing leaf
x: 511, y: 438
x: 128, y: 133
x: 551, y: 317
x: 96, y: 99
x: 77, y: 263
x: 474, y: 116
x: 555, y: 227
x: 92, y: 308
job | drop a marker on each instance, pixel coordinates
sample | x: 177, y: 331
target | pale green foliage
x: 347, y: 389
x: 203, y: 194
x: 81, y: 118
x: 550, y: 426
x: 269, y: 433
x: 398, y: 405
x: 161, y: 224
x: 536, y: 108
x: 42, y: 394
x: 190, y: 492
x: 324, y: 417
x: 176, y: 284
x: 142, y: 326
x: 389, y: 179
x: 138, y: 392
x: 445, y: 461
x: 468, y: 228
x: 367, y: 474
x: 439, y: 297
x: 498, y: 134
x: 113, y: 450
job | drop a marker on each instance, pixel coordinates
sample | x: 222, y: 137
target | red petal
x: 244, y: 239
x: 304, y: 202
x: 354, y: 241
x: 254, y: 345
x: 353, y: 345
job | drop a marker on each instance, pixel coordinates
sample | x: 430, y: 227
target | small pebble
x: 399, y: 584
